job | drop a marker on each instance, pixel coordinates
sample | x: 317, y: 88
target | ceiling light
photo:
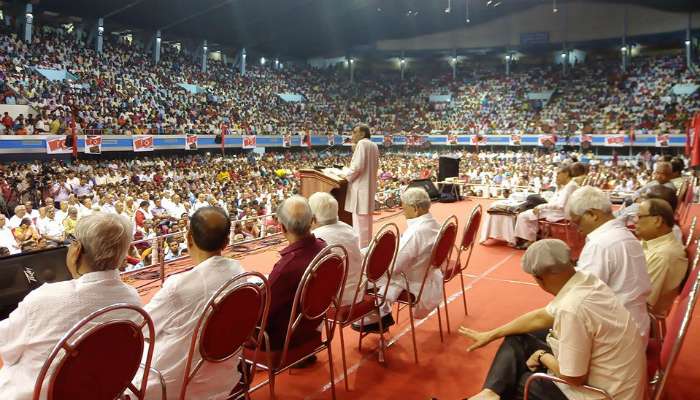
x: 467, y: 12
x: 449, y: 7
x: 554, y: 6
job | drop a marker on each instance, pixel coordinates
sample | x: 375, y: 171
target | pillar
x: 100, y: 33
x: 156, y: 47
x: 205, y: 53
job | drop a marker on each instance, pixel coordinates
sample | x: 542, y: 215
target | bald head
x: 210, y: 227
x: 295, y: 215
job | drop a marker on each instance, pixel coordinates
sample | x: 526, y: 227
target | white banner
x: 56, y: 144
x: 142, y: 143
x: 249, y: 141
x: 93, y: 144
x: 191, y: 142
x: 615, y: 140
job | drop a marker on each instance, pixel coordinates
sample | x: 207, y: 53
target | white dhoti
x: 526, y: 226
x: 497, y: 226
x: 362, y: 225
x: 430, y: 299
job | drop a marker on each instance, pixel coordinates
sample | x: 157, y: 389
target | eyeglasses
x: 638, y: 217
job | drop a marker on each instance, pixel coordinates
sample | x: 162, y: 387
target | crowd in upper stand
x: 123, y: 91
x: 247, y: 186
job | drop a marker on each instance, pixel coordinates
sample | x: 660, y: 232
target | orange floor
x: 497, y: 291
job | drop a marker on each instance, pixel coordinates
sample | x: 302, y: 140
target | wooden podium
x: 313, y: 181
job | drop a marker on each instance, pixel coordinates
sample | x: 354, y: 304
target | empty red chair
x: 320, y: 287
x: 466, y: 246
x: 377, y: 264
x: 228, y: 321
x: 439, y: 255
x: 108, y: 337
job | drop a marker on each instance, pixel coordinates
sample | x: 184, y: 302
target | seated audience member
x: 31, y: 331
x: 142, y: 214
x: 295, y: 216
x: 4, y: 252
x: 51, y: 229
x: 579, y: 173
x: 677, y: 167
x: 653, y: 192
x: 612, y: 252
x: 176, y: 307
x: 327, y: 227
x: 663, y: 172
x: 70, y: 222
x: 526, y: 223
x: 665, y: 255
x: 7, y: 238
x: 16, y: 219
x: 172, y: 250
x: 592, y: 339
x: 412, y: 260
x: 25, y: 233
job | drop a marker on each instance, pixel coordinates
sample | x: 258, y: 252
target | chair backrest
x: 81, y: 354
x: 677, y: 328
x: 468, y: 241
x: 691, y: 232
x: 381, y: 253
x: 228, y: 321
x: 320, y: 287
x: 441, y: 250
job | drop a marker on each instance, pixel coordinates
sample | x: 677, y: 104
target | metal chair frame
x: 232, y: 286
x: 76, y: 335
x: 691, y: 232
x: 458, y: 268
x: 450, y: 223
x: 547, y: 377
x: 372, y: 288
x: 298, y: 315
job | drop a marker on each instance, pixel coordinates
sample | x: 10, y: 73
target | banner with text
x: 142, y: 143
x: 93, y: 144
x: 191, y: 142
x: 662, y: 140
x: 615, y: 140
x: 56, y: 144
x: 249, y: 141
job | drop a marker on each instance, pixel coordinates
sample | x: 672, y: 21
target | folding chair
x: 80, y: 356
x: 661, y: 357
x: 467, y: 245
x: 547, y: 377
x: 228, y: 321
x: 440, y: 253
x: 320, y: 287
x: 377, y: 264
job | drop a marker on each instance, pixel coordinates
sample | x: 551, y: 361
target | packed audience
x: 123, y: 92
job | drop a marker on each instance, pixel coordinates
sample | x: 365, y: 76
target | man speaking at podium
x: 362, y: 183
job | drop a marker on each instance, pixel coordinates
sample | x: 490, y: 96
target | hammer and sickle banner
x: 452, y: 139
x: 93, y: 144
x: 191, y: 142
x: 56, y: 144
x: 331, y: 140
x: 615, y: 140
x: 662, y: 140
x: 287, y: 141
x: 414, y: 140
x: 142, y: 143
x: 547, y: 141
x: 388, y: 141
x: 249, y: 141
x: 585, y: 141
x: 515, y: 140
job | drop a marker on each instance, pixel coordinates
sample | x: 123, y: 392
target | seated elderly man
x: 412, y: 260
x: 327, y: 227
x: 176, y: 307
x: 611, y: 252
x: 7, y: 239
x: 592, y: 339
x: 31, y: 331
x: 653, y: 192
x: 295, y: 216
x: 526, y: 224
x: 665, y: 255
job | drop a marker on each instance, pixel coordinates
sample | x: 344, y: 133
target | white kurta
x: 526, y: 224
x: 43, y: 317
x: 175, y: 309
x: 362, y: 188
x: 413, y: 259
x: 342, y: 234
x: 615, y: 256
x: 7, y: 239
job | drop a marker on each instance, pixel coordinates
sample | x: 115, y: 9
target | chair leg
x: 464, y: 293
x: 330, y: 367
x: 271, y: 373
x: 381, y: 338
x: 342, y: 350
x: 442, y: 339
x: 447, y: 314
x: 398, y: 309
x: 413, y: 333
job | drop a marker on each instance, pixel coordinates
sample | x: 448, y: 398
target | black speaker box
x: 428, y: 186
x: 69, y: 141
x: 22, y: 273
x: 448, y: 167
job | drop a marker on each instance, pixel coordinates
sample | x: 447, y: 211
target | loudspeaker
x: 69, y: 141
x: 217, y: 139
x: 22, y: 273
x: 428, y: 186
x: 448, y: 167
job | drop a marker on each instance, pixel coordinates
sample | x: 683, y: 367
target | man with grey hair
x: 412, y: 261
x: 295, y: 217
x: 611, y: 252
x: 592, y: 338
x: 28, y: 335
x: 327, y: 227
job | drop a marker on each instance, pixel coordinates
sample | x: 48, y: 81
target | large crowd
x: 122, y: 91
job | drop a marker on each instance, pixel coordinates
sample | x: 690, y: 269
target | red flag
x: 695, y: 142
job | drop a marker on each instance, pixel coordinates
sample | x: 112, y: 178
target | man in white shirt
x: 611, y: 252
x: 412, y: 260
x: 327, y: 227
x: 362, y: 183
x: 7, y: 239
x: 50, y: 228
x: 177, y: 306
x: 47, y: 313
x: 20, y: 214
x: 592, y: 338
x: 175, y: 208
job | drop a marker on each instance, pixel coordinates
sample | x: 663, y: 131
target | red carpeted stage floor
x: 497, y: 291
